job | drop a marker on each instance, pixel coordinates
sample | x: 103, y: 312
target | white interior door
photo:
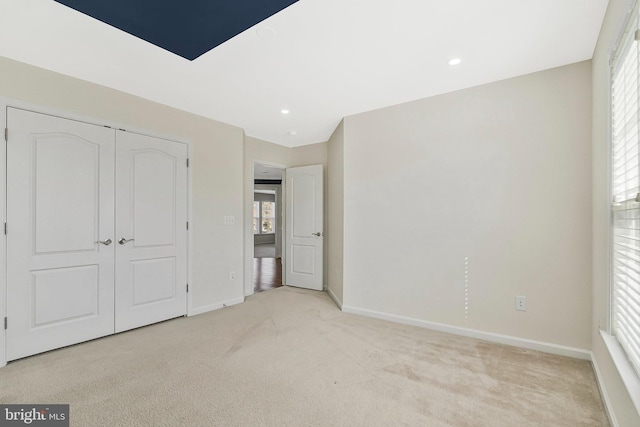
x: 304, y: 227
x: 60, y: 196
x: 151, y: 230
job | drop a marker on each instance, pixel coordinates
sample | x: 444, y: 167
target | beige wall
x: 313, y: 154
x: 623, y: 408
x: 335, y: 224
x: 261, y: 239
x: 495, y: 180
x: 216, y: 162
x: 259, y: 151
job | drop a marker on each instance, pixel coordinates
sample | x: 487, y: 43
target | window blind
x: 625, y: 189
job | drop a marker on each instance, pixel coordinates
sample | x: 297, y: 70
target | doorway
x: 267, y: 228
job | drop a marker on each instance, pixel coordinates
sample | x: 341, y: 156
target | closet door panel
x: 151, y: 217
x: 60, y: 197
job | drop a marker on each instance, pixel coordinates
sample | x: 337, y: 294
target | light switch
x: 229, y: 220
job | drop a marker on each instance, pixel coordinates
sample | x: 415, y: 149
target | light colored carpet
x: 289, y: 357
x: 265, y: 250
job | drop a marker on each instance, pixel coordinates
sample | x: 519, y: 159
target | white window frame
x: 628, y: 373
x: 260, y: 202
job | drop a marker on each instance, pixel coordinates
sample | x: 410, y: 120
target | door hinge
x: 5, y: 228
x: 5, y: 323
x: 187, y: 225
x: 187, y: 288
x: 187, y: 162
x: 6, y: 134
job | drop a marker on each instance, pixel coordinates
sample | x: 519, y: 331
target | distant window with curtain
x: 264, y: 216
x: 256, y: 217
x: 268, y: 217
x: 625, y: 192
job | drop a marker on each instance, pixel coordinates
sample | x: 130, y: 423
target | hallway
x: 267, y: 274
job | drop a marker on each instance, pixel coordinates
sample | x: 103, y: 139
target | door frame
x: 248, y: 224
x: 6, y: 102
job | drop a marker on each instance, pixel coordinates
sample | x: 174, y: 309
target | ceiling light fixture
x: 293, y: 132
x: 285, y: 111
x: 455, y: 61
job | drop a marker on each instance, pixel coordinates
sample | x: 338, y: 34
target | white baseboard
x: 335, y: 298
x: 545, y: 347
x: 217, y: 306
x: 603, y: 393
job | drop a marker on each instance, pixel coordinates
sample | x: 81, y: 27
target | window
x: 264, y: 217
x: 625, y: 190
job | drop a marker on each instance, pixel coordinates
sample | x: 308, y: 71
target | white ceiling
x: 326, y: 59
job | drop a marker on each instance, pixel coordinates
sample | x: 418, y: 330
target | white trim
x: 609, y: 167
x: 629, y: 376
x: 190, y: 230
x: 3, y: 245
x: 545, y: 347
x: 216, y: 306
x: 603, y: 393
x: 335, y: 298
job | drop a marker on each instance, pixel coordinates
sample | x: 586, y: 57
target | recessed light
x: 285, y: 111
x: 293, y: 132
x: 455, y: 61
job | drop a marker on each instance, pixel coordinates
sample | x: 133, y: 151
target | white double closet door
x: 97, y: 239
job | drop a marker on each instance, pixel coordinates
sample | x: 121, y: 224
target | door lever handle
x: 318, y: 234
x: 105, y: 242
x: 122, y: 241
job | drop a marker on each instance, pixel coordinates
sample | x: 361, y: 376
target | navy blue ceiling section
x: 187, y: 28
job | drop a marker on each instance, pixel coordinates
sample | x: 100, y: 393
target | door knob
x: 122, y: 241
x: 105, y: 242
x: 318, y: 234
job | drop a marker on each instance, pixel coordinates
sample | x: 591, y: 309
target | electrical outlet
x: 521, y: 303
x: 229, y: 220
x: 232, y: 275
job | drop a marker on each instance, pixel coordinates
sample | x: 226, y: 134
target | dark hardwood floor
x: 267, y: 274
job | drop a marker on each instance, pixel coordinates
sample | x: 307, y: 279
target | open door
x: 304, y: 236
